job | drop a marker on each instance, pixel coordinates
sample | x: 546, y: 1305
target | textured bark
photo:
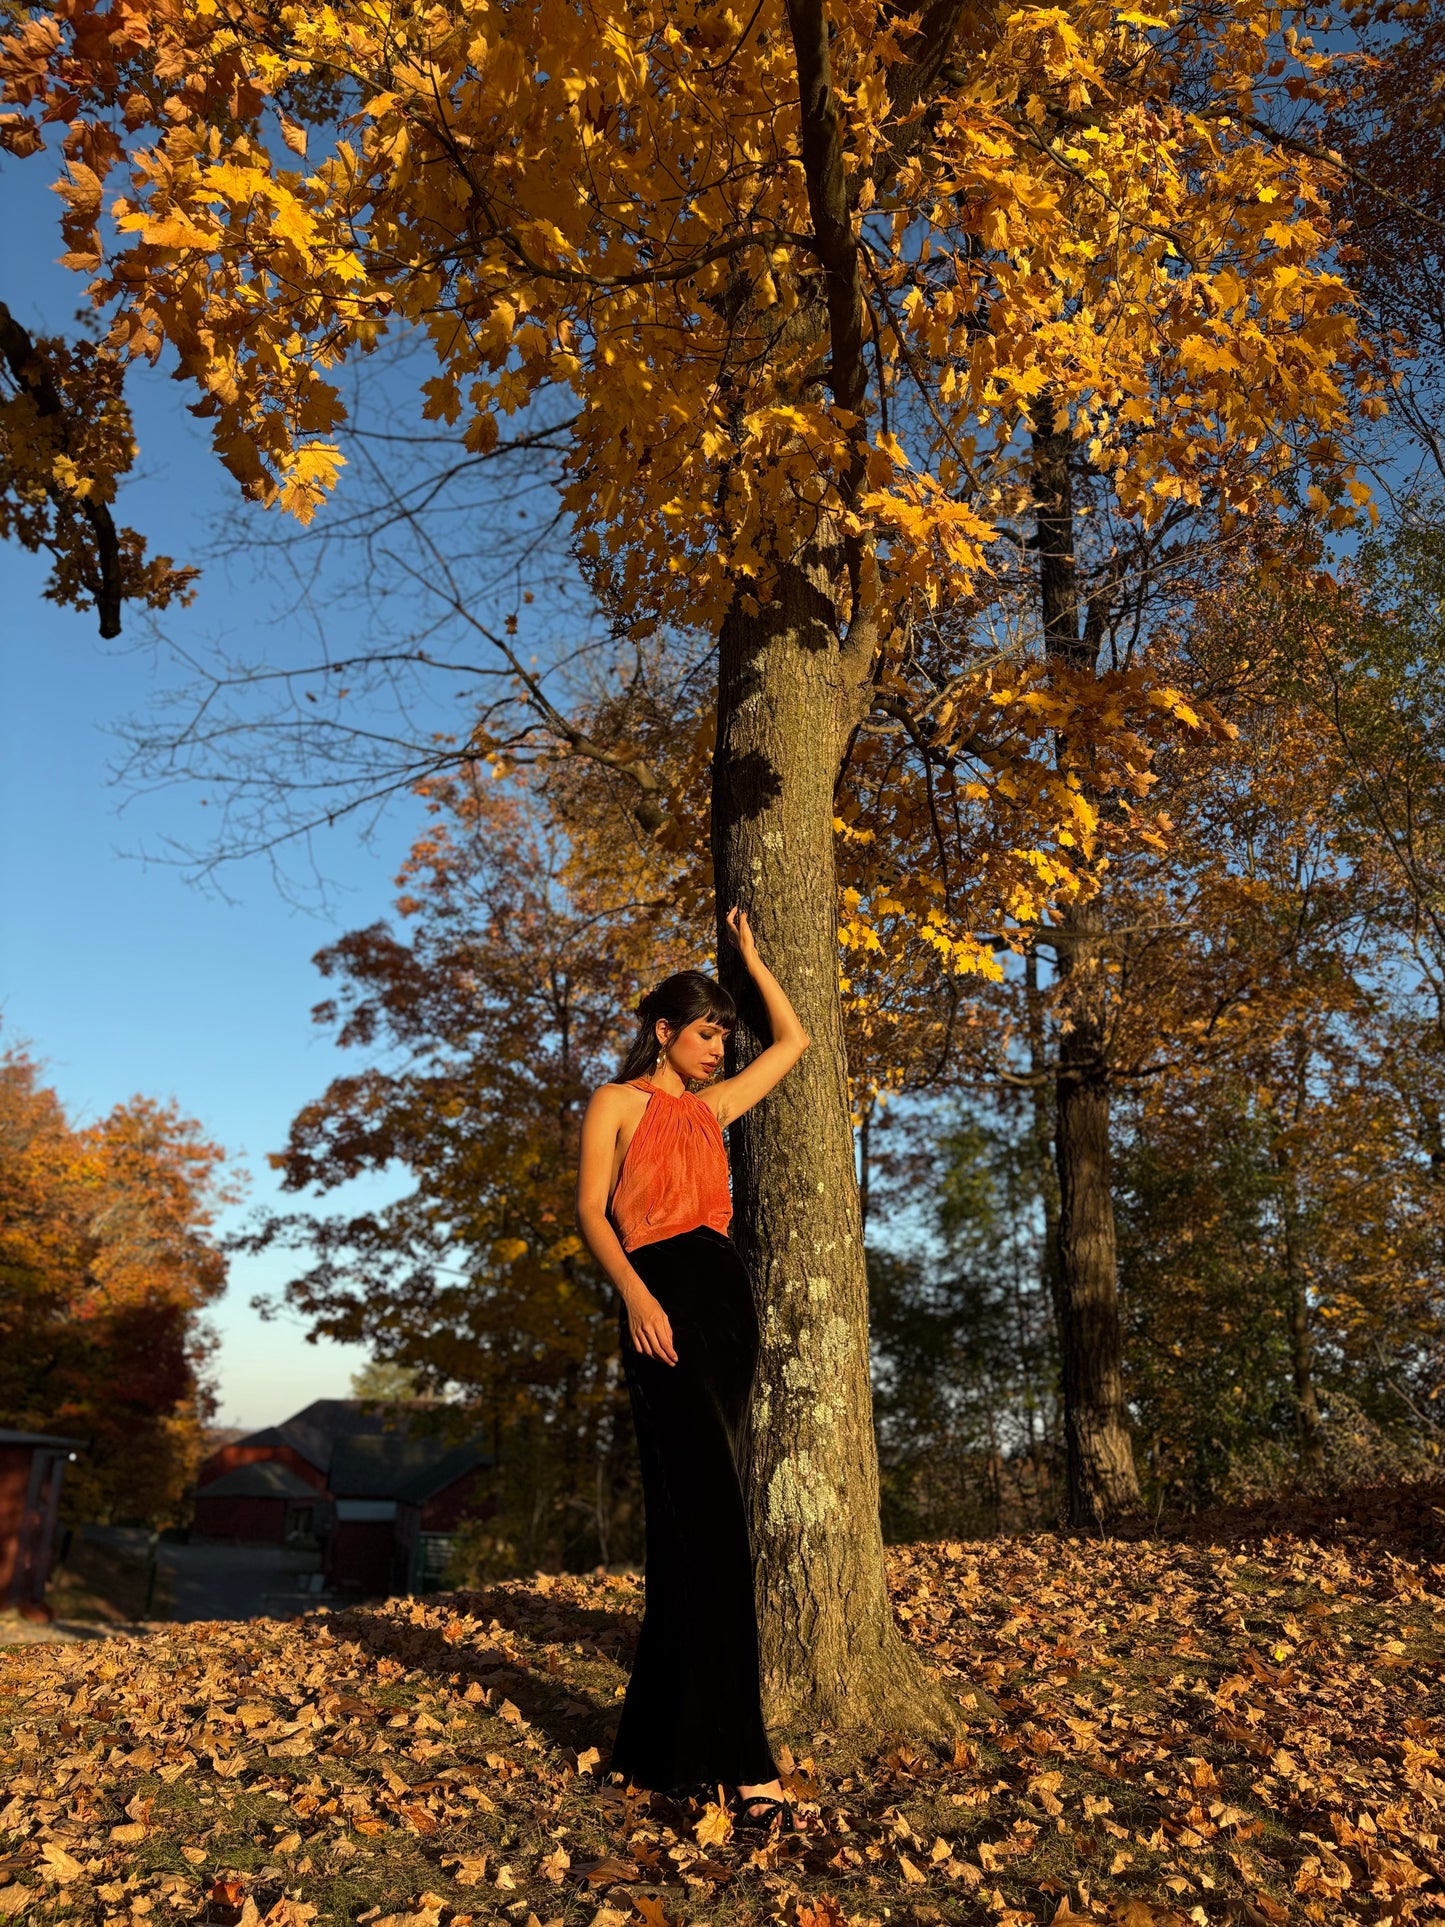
x: 831, y: 1652
x: 1099, y: 1454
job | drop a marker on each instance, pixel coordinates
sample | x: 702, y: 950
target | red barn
x: 303, y: 1443
x: 397, y: 1498
x: 382, y: 1494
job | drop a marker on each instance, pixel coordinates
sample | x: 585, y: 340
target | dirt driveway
x: 230, y: 1582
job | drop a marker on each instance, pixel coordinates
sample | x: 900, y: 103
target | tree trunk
x: 792, y: 686
x: 1306, y: 1404
x: 831, y: 1652
x: 1099, y: 1456
x: 1308, y: 1425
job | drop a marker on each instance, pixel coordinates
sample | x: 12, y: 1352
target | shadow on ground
x: 550, y: 1705
x: 1406, y: 1520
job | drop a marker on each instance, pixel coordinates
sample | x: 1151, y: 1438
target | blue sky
x: 120, y: 974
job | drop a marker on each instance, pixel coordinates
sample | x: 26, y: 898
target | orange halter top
x: 674, y: 1173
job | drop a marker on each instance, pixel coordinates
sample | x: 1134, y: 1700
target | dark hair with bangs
x: 679, y: 1000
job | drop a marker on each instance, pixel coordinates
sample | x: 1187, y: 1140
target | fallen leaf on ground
x: 604, y: 1873
x: 714, y: 1827
x: 59, y: 1865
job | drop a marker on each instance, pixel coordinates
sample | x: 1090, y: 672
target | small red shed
x: 32, y: 1466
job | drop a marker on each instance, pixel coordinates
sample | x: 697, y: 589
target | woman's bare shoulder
x: 614, y: 1097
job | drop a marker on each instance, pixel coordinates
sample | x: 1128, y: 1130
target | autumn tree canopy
x: 1271, y: 1047
x: 754, y: 316
x: 108, y: 1260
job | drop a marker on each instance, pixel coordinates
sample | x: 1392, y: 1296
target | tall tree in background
x: 1387, y: 117
x: 1207, y: 953
x: 805, y: 276
x: 1271, y: 1051
x: 1101, y: 1481
x: 107, y: 1263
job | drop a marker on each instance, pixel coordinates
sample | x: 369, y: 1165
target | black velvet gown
x: 693, y: 1712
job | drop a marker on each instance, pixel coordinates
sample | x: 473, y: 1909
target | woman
x: 653, y: 1206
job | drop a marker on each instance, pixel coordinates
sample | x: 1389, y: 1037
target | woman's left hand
x: 741, y: 934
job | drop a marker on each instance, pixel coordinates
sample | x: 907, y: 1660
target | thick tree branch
x: 908, y: 84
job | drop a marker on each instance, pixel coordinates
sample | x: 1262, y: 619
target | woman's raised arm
x: 734, y: 1095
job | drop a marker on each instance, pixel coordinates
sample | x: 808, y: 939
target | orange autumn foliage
x: 108, y: 1261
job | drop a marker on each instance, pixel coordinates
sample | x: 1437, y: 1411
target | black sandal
x: 781, y: 1815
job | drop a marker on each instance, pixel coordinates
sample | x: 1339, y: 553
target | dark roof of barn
x: 264, y: 1479
x: 398, y: 1466
x: 314, y: 1432
x: 268, y: 1435
x: 366, y: 1451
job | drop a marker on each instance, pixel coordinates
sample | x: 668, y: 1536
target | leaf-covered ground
x: 1242, y: 1731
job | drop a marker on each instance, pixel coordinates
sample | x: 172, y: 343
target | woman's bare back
x: 631, y: 1113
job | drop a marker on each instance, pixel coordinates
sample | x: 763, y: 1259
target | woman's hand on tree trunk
x: 651, y: 1329
x: 741, y: 934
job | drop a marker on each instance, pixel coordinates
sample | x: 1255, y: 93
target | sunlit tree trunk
x: 831, y: 1652
x: 793, y: 683
x: 1102, y: 1481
